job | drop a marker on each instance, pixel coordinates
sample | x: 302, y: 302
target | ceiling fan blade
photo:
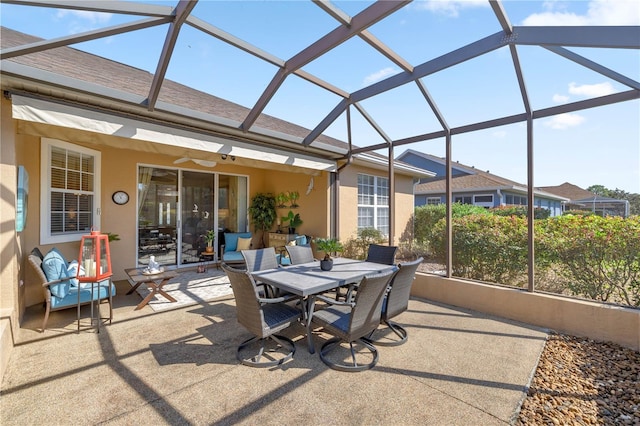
x: 181, y: 160
x: 204, y: 163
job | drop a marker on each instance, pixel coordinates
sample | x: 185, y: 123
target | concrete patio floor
x: 179, y: 367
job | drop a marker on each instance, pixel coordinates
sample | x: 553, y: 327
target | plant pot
x: 292, y: 230
x: 209, y: 249
x: 326, y: 265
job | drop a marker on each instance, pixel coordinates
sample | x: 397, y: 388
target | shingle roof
x: 479, y: 180
x: 569, y: 190
x: 80, y: 65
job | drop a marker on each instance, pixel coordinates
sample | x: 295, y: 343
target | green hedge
x: 594, y: 257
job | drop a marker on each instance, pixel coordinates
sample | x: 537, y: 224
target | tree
x: 263, y: 213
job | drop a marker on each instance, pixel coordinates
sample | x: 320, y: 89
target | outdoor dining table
x: 308, y: 280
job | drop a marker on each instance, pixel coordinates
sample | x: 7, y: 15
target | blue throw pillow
x: 55, y: 267
x: 72, y: 271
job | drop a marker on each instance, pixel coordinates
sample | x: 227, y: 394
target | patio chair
x: 381, y: 254
x: 264, y: 317
x: 349, y: 322
x: 259, y: 260
x: 376, y: 253
x: 396, y: 302
x: 300, y: 254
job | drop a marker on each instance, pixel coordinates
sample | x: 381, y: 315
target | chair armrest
x: 47, y: 284
x: 280, y: 299
x: 334, y: 302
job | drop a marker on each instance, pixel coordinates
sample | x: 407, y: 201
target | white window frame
x: 45, y: 190
x: 434, y: 201
x: 483, y: 203
x: 377, y: 207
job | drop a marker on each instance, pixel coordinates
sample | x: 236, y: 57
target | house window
x: 515, y: 200
x: 483, y: 200
x: 373, y: 203
x: 463, y: 199
x: 433, y: 201
x: 70, y: 182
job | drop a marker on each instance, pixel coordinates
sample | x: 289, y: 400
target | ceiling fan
x: 204, y: 163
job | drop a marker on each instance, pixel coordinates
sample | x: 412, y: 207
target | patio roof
x: 153, y: 96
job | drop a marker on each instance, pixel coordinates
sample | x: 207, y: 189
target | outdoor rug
x: 190, y: 288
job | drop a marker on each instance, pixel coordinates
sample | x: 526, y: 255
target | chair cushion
x: 232, y: 256
x: 55, y: 267
x: 231, y: 240
x: 243, y: 244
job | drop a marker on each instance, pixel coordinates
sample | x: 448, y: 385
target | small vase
x: 326, y: 265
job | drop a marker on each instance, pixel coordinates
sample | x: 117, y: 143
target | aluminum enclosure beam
x: 360, y: 22
x: 40, y: 46
x: 182, y: 11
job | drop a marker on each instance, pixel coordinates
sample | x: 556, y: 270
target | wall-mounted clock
x: 120, y: 197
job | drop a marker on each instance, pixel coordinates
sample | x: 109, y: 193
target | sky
x: 595, y: 146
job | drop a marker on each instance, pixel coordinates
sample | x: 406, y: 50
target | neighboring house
x: 473, y: 186
x: 581, y: 199
x: 81, y: 150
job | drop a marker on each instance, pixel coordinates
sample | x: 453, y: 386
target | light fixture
x: 225, y: 156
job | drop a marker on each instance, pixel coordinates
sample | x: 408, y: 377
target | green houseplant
x: 294, y: 221
x: 209, y: 237
x: 328, y: 246
x: 263, y: 213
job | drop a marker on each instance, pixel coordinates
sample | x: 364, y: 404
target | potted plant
x: 328, y: 246
x: 263, y: 213
x: 209, y: 237
x: 293, y: 197
x: 294, y: 221
x: 281, y: 199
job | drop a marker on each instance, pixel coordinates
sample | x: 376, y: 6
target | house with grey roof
x: 581, y: 199
x: 473, y: 186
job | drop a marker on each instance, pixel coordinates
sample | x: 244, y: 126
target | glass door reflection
x: 157, y: 215
x: 198, y: 214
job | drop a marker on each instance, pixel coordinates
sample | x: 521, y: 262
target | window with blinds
x: 71, y: 187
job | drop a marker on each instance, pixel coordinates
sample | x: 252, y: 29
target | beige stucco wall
x: 564, y: 315
x: 119, y: 172
x: 348, y: 204
x: 10, y: 240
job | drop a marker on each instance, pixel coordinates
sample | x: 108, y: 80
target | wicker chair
x: 349, y: 322
x: 260, y: 259
x: 376, y: 253
x: 264, y: 317
x: 300, y: 254
x: 381, y: 254
x: 395, y: 302
x: 76, y: 295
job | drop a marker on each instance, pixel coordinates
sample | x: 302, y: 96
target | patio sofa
x: 62, y: 289
x: 234, y: 243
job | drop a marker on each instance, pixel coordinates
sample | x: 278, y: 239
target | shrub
x: 600, y: 256
x: 426, y: 217
x: 485, y: 247
x: 356, y: 248
x: 520, y: 211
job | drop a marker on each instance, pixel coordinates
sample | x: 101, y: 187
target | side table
x: 207, y: 259
x: 154, y: 283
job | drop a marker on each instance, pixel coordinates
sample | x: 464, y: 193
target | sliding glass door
x: 157, y: 215
x: 177, y: 207
x: 198, y: 213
